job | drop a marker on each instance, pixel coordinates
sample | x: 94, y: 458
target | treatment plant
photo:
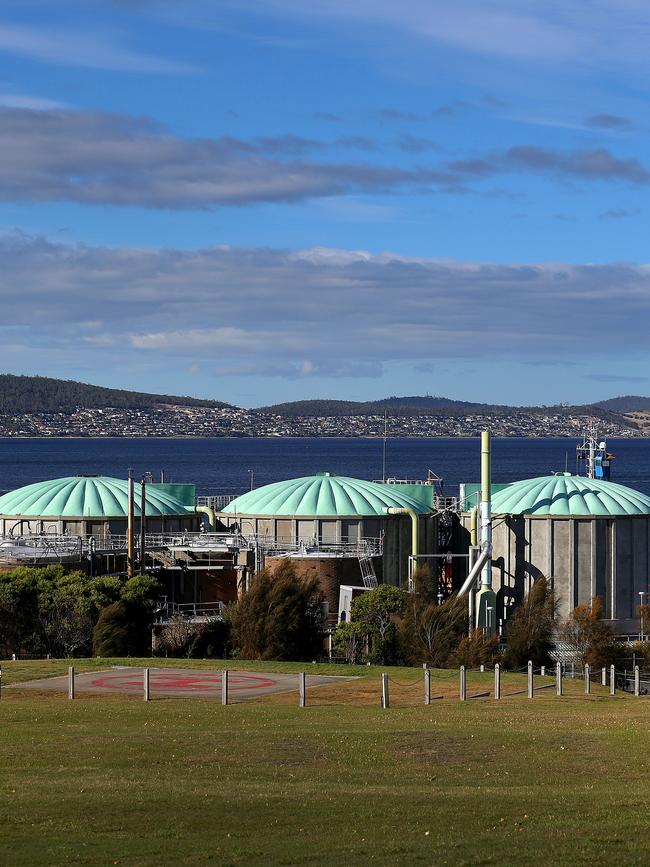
x: 587, y: 535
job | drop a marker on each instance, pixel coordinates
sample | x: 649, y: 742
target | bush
x: 212, y: 640
x: 123, y: 629
x: 475, y: 650
x: 350, y: 641
x: 529, y: 632
x: 377, y: 611
x: 431, y: 632
x: 279, y: 617
x: 588, y: 635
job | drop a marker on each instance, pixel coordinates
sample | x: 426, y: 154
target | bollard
x: 146, y: 685
x: 612, y: 680
x: 463, y: 683
x: 302, y: 689
x: 603, y: 676
x: 497, y: 681
x: 558, y: 678
x: 587, y: 678
x: 224, y: 686
x: 71, y: 681
x: 482, y: 668
x: 385, y: 698
x: 543, y: 671
x: 530, y: 679
x: 427, y: 687
x: 637, y: 681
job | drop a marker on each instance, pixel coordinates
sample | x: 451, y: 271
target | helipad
x: 178, y: 682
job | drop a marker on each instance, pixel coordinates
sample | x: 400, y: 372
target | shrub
x: 377, y: 611
x: 279, y: 617
x: 588, y: 635
x: 350, y: 641
x: 529, y: 632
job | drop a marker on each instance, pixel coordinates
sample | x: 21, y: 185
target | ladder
x: 367, y: 567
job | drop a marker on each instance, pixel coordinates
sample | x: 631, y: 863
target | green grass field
x: 111, y: 780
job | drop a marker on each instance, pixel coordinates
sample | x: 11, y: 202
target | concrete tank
x: 588, y: 537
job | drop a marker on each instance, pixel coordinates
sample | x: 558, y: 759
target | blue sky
x: 329, y: 199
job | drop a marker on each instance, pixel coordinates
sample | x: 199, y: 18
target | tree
x: 476, y: 649
x: 378, y: 609
x: 529, y: 632
x: 350, y: 640
x: 431, y: 632
x: 279, y: 617
x: 588, y: 635
x: 212, y: 640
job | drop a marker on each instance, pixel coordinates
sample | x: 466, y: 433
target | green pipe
x: 206, y: 510
x: 473, y: 526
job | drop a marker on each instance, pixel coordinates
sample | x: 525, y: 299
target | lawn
x: 188, y: 781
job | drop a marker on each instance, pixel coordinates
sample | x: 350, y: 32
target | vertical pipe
x: 71, y: 681
x: 558, y: 678
x: 497, y: 681
x: 427, y: 686
x: 473, y: 527
x: 587, y: 679
x: 530, y: 679
x: 463, y: 683
x: 143, y: 522
x: 146, y: 685
x: 637, y: 681
x: 130, y: 553
x: 302, y: 690
x: 224, y: 686
x: 612, y: 680
x: 486, y: 502
x: 385, y: 698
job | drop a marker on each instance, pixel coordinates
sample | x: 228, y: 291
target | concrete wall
x: 93, y: 526
x: 582, y: 557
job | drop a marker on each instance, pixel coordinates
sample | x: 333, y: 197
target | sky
x: 279, y: 200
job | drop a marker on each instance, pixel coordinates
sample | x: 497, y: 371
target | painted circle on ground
x: 176, y: 681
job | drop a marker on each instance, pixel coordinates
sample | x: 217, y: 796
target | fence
x: 464, y: 685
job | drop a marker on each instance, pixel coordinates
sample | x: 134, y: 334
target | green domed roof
x: 86, y: 496
x: 565, y: 494
x: 323, y: 495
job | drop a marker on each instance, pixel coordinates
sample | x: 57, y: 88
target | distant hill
x: 628, y: 403
x: 24, y: 394
x: 422, y: 405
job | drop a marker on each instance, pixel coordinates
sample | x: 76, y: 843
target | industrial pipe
x: 212, y: 520
x: 130, y: 521
x: 486, y: 597
x: 143, y: 523
x: 484, y: 556
x: 473, y: 526
x: 415, y: 537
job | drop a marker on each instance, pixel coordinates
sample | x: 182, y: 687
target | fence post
x: 71, y: 681
x: 637, y: 681
x: 587, y: 678
x: 146, y: 684
x: 530, y: 679
x: 427, y: 687
x: 0, y: 683
x: 463, y: 683
x: 603, y: 676
x: 385, y: 698
x: 224, y: 686
x: 302, y: 690
x: 497, y: 681
x: 482, y: 668
x: 558, y: 678
x: 612, y: 680
x: 542, y: 671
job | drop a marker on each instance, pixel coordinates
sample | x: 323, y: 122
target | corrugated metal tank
x: 589, y: 537
x: 337, y: 509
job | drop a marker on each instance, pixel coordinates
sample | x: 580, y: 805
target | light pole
x: 642, y: 625
x: 251, y: 473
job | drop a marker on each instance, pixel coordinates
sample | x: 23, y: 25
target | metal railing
x: 363, y: 547
x: 216, y: 501
x: 189, y: 610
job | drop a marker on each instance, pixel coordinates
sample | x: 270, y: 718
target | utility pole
x: 130, y: 520
x: 143, y: 522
